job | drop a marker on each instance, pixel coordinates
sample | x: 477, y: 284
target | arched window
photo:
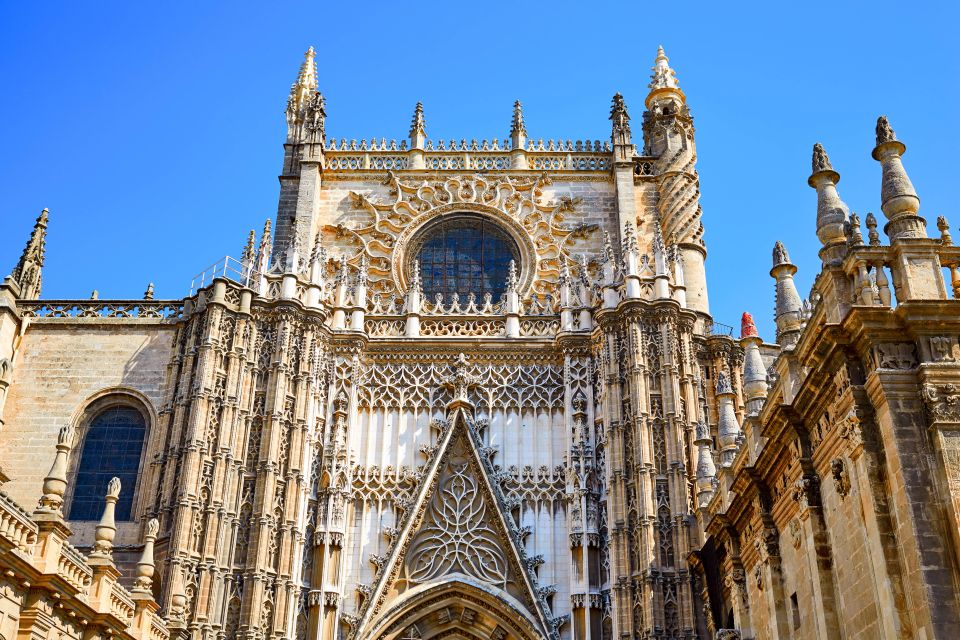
x: 112, y: 446
x: 465, y: 254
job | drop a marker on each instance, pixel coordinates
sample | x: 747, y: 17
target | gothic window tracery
x: 112, y: 447
x: 463, y: 255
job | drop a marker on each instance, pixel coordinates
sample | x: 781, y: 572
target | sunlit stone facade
x: 473, y: 389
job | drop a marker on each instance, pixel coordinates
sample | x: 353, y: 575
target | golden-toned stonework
x: 473, y: 389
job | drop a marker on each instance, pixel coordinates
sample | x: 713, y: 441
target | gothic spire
x: 28, y: 271
x: 306, y: 84
x: 663, y: 77
x: 518, y: 130
x: 418, y: 128
x: 305, y: 106
x: 898, y: 198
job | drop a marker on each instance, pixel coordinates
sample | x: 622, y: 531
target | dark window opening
x: 112, y: 447
x: 465, y: 255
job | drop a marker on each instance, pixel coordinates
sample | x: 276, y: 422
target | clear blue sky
x: 153, y: 131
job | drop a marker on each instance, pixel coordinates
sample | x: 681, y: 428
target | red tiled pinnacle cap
x: 747, y: 328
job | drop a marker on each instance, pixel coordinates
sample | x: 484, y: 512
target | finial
x: 944, y: 228
x: 418, y: 125
x: 663, y: 76
x: 821, y: 161
x: 898, y: 198
x: 885, y: 132
x: 832, y: 212
x: 723, y: 384
x: 293, y: 252
x: 855, y: 238
x: 460, y: 382
x: 263, y: 254
x: 107, y: 527
x: 250, y: 250
x: 306, y: 78
x: 145, y: 566
x: 658, y: 244
x: 517, y: 127
x: 872, y: 233
x: 512, y: 279
x: 747, y: 327
x: 28, y: 272
x: 318, y: 255
x: 621, y: 121
x: 608, y: 248
x: 629, y: 238
x: 415, y: 281
x: 305, y: 104
x: 94, y: 295
x: 148, y: 294
x: 55, y: 484
x: 564, y: 280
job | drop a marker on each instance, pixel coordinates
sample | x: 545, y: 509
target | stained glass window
x: 112, y: 447
x: 466, y: 255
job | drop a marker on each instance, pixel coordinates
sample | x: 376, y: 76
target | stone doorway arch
x: 455, y: 607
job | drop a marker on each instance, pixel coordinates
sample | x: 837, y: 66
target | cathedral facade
x: 473, y: 389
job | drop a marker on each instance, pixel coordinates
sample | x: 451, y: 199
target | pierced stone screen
x: 465, y: 255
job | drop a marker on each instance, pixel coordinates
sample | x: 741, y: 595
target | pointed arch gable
x: 459, y: 443
x: 456, y: 605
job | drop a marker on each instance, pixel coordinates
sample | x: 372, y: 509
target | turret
x: 28, y: 272
x: 668, y: 135
x: 899, y: 200
x: 788, y: 304
x: 832, y: 213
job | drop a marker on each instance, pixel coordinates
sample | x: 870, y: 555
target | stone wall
x: 60, y: 368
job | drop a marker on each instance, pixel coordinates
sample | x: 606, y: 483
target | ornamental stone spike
x: 832, y: 212
x: 29, y: 270
x: 107, y: 527
x: 620, y: 119
x: 263, y: 254
x: 728, y: 429
x: 418, y: 128
x: 663, y: 77
x: 898, y: 198
x: 518, y: 130
x: 301, y: 93
x: 55, y: 484
x: 754, y: 373
x: 706, y: 468
x: 145, y: 566
x: 148, y: 294
x: 787, y: 310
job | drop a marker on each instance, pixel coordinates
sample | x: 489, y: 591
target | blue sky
x: 153, y: 131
